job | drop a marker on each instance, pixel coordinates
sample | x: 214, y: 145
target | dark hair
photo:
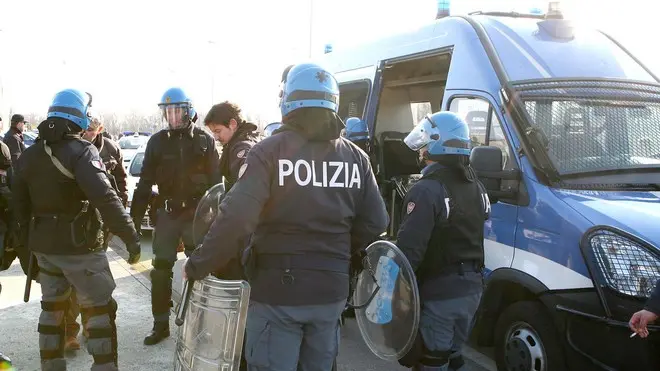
x: 222, y: 113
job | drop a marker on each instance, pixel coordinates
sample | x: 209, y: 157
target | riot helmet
x: 72, y: 105
x: 177, y: 109
x: 270, y: 128
x: 440, y: 134
x: 309, y: 85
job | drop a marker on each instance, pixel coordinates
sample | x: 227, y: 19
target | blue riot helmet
x: 72, y: 105
x: 177, y: 109
x: 309, y: 85
x: 356, y: 129
x: 270, y: 128
x: 442, y: 133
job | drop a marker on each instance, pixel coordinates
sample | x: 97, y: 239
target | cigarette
x: 633, y: 335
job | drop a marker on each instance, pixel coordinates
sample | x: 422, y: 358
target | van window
x: 475, y: 113
x: 353, y: 99
x: 419, y: 111
x: 478, y: 114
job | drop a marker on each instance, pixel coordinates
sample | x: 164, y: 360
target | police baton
x: 185, y: 299
x: 28, y: 280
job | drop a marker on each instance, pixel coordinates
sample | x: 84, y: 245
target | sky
x: 128, y: 52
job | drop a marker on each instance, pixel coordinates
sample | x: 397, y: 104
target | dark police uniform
x: 184, y: 163
x: 441, y: 234
x: 308, y: 203
x: 14, y: 140
x: 112, y: 160
x: 235, y: 152
x: 58, y: 199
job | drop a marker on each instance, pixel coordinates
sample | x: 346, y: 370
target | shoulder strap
x: 57, y: 163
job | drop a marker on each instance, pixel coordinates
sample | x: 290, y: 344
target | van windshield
x: 132, y: 142
x: 591, y: 136
x: 592, y: 126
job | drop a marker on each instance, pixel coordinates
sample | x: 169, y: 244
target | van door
x: 486, y: 130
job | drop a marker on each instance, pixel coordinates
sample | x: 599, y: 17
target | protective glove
x: 134, y: 251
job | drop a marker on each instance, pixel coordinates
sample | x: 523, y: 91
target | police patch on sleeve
x: 241, y: 171
x: 410, y: 207
x: 98, y: 164
x: 241, y: 153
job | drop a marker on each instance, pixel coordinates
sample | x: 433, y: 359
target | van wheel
x: 525, y: 339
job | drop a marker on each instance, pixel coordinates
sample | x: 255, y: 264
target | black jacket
x: 309, y: 200
x: 183, y: 163
x: 235, y: 152
x: 113, y: 160
x: 14, y: 140
x: 47, y: 199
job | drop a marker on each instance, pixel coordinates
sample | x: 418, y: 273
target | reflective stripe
x: 68, y: 110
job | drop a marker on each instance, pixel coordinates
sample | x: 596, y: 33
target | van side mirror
x: 487, y: 162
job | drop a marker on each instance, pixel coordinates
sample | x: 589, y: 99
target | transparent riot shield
x: 213, y: 312
x: 390, y: 320
x: 211, y: 337
x: 207, y: 210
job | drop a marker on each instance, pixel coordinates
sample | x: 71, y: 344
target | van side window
x: 478, y: 114
x: 475, y: 113
x: 353, y: 99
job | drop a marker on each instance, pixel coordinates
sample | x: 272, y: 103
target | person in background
x: 14, y: 137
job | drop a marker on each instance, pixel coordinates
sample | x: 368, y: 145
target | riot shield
x: 207, y: 210
x: 390, y: 320
x: 211, y: 337
x: 213, y: 312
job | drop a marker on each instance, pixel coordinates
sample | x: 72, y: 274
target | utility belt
x: 460, y: 268
x: 85, y: 226
x: 171, y: 205
x: 311, y: 262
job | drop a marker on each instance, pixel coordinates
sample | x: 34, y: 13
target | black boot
x: 160, y: 331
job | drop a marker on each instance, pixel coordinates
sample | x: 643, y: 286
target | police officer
x: 441, y: 234
x: 60, y: 186
x: 271, y: 128
x: 357, y: 132
x: 184, y: 162
x: 111, y: 155
x: 237, y: 136
x: 112, y: 160
x: 311, y: 198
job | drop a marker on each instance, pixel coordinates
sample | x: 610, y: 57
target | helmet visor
x: 176, y: 115
x: 420, y: 136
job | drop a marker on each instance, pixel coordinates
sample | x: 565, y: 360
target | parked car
x: 132, y: 179
x: 129, y: 146
x: 29, y: 137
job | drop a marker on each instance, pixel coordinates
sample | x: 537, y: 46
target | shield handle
x: 181, y: 313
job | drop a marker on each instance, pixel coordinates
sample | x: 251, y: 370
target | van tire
x: 526, y: 340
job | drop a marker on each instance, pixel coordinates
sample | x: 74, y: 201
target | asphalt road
x: 354, y: 353
x: 19, y: 338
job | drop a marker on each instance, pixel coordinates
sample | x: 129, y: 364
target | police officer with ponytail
x: 309, y: 199
x: 61, y: 191
x: 441, y: 234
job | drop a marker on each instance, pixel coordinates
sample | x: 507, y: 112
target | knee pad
x: 437, y: 358
x: 102, y: 332
x: 52, y: 329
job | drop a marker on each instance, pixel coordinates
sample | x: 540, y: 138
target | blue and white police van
x: 565, y: 126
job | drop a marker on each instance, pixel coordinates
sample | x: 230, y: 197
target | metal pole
x: 311, y: 16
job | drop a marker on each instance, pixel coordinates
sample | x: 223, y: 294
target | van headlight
x: 627, y: 264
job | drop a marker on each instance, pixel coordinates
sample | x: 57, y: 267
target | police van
x: 565, y: 126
